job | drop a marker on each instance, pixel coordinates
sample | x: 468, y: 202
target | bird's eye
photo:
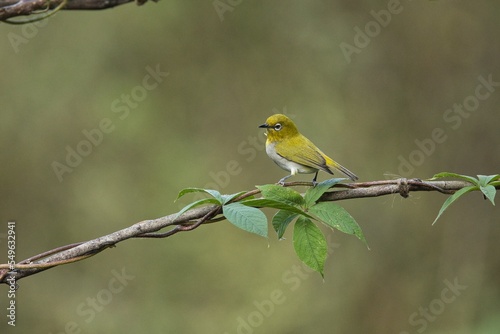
x: 277, y: 127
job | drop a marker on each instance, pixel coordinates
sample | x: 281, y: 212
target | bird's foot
x: 314, y: 182
x: 282, y: 181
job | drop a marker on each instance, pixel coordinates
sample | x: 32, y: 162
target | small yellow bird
x: 290, y: 150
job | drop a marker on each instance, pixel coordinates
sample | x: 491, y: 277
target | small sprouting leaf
x: 489, y: 192
x: 214, y: 193
x: 335, y: 216
x: 195, y: 204
x: 314, y: 193
x: 270, y: 203
x: 281, y: 194
x: 484, y: 180
x: 281, y: 220
x: 452, y: 199
x: 310, y: 244
x: 455, y: 175
x: 247, y: 218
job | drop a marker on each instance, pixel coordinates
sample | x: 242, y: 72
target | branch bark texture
x: 194, y: 218
x: 14, y: 8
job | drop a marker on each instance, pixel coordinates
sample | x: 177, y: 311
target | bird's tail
x: 344, y: 170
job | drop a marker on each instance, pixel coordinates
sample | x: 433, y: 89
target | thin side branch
x: 15, y: 8
x: 194, y: 218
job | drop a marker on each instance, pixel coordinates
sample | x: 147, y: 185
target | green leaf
x: 452, y: 199
x: 270, y: 203
x: 281, y: 220
x: 195, y: 204
x: 247, y: 218
x: 310, y: 244
x: 489, y: 192
x: 314, y: 193
x: 495, y: 183
x: 457, y: 176
x: 214, y: 193
x: 228, y: 198
x: 335, y: 216
x: 281, y: 194
x: 484, y: 180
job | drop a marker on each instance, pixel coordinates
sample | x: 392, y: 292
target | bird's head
x: 279, y: 127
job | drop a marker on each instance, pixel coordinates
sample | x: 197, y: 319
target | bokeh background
x: 229, y: 67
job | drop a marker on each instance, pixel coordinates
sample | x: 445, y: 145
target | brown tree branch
x: 14, y: 8
x: 194, y: 218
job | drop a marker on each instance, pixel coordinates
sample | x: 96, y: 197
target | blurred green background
x: 367, y: 99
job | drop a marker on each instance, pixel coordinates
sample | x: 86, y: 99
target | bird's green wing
x: 301, y: 150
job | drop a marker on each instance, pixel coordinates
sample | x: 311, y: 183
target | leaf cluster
x: 244, y: 211
x: 305, y: 212
x: 485, y: 183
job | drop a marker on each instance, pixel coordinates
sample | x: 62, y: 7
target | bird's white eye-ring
x: 277, y: 127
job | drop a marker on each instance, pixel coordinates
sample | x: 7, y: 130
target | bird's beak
x: 265, y: 125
